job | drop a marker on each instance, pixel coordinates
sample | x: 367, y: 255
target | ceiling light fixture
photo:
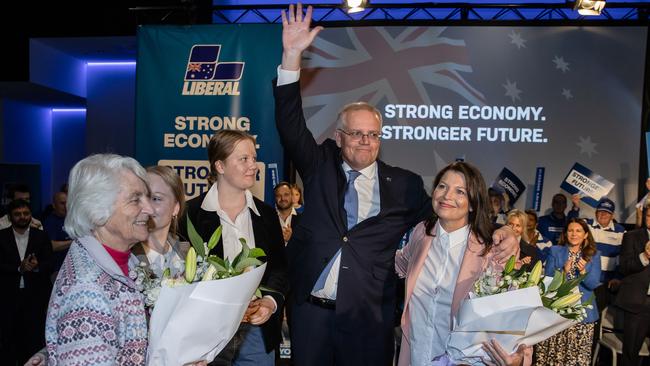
x: 355, y: 6
x: 589, y: 7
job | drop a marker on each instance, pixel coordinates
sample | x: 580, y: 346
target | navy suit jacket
x: 268, y: 236
x: 38, y: 281
x: 366, y: 293
x: 632, y: 294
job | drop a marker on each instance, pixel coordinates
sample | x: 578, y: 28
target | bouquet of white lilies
x: 514, y: 307
x: 198, y: 312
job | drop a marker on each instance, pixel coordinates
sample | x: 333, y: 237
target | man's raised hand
x: 296, y: 36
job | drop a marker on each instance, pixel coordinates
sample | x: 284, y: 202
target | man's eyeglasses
x: 358, y: 135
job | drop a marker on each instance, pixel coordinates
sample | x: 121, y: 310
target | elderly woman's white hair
x: 93, y: 186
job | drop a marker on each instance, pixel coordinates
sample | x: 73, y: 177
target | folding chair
x: 611, y: 335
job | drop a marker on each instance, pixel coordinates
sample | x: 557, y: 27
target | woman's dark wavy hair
x: 479, y: 220
x: 588, y: 246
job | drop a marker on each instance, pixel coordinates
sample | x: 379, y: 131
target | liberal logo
x: 205, y: 75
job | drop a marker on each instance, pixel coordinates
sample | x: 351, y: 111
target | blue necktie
x: 351, y: 206
x: 352, y: 199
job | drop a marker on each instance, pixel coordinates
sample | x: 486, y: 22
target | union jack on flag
x: 194, y: 67
x: 381, y: 65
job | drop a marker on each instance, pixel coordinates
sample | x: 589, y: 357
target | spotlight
x: 589, y: 7
x: 355, y: 6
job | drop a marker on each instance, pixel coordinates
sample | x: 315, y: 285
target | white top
x: 242, y: 227
x: 232, y: 231
x: 21, y: 243
x: 287, y: 76
x: 158, y: 262
x: 430, y: 303
x: 286, y: 223
x: 367, y: 186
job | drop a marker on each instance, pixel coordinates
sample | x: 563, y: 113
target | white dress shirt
x: 285, y: 223
x: 242, y: 227
x: 21, y: 243
x: 287, y: 76
x: 430, y: 303
x: 158, y: 262
x: 231, y: 231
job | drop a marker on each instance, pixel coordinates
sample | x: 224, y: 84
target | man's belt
x: 323, y: 303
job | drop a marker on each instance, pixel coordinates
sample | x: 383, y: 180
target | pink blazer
x: 409, y: 262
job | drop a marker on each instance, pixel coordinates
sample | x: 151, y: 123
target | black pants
x: 636, y: 328
x: 316, y: 340
x: 22, y: 332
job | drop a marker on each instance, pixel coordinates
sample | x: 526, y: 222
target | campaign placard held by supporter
x: 508, y: 182
x: 588, y: 184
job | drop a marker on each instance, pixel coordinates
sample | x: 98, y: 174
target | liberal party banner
x: 193, y: 81
x: 588, y: 184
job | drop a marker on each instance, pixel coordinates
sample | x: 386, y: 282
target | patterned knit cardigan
x: 96, y: 316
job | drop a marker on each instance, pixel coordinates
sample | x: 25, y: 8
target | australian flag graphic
x: 203, y: 65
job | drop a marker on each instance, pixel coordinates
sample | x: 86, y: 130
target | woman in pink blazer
x: 444, y: 256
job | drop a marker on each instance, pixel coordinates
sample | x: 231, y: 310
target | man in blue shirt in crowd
x: 551, y: 225
x: 53, y: 225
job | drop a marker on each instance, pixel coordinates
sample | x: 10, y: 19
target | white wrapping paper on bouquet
x: 195, y: 322
x: 512, y: 318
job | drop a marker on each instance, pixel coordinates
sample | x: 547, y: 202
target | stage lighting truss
x: 444, y: 13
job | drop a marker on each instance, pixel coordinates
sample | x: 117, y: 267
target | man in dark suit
x: 341, y: 255
x: 634, y: 291
x: 288, y: 216
x: 25, y: 267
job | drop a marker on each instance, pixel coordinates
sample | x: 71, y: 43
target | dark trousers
x: 636, y: 328
x: 317, y: 341
x: 23, y: 327
x: 246, y: 348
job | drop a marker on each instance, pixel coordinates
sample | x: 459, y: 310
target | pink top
x: 121, y: 258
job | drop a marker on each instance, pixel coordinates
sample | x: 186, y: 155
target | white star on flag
x: 567, y: 94
x: 511, y: 90
x: 587, y: 146
x: 515, y: 38
x: 561, y: 64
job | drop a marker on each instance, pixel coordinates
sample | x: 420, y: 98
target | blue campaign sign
x: 508, y: 182
x: 193, y: 81
x: 588, y: 184
x: 539, y: 186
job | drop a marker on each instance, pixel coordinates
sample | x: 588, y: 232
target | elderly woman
x: 96, y: 315
x: 444, y: 256
x: 230, y: 203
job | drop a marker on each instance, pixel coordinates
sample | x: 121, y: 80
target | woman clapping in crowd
x: 575, y: 255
